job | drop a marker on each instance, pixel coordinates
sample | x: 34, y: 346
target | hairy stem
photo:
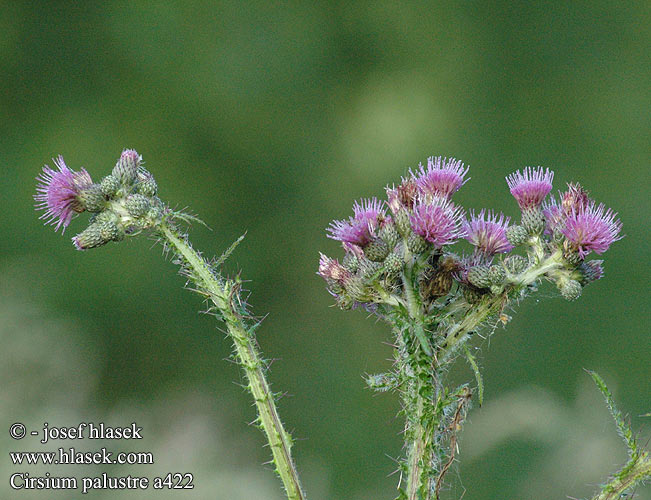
x: 418, y: 433
x: 222, y: 293
x: 416, y: 371
x: 633, y: 473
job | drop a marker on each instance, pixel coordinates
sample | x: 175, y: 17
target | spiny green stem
x: 418, y: 434
x: 414, y: 308
x: 627, y: 478
x: 221, y: 295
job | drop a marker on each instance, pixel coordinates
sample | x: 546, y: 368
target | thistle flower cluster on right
x: 414, y: 229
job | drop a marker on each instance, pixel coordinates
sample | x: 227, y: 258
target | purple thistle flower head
x: 332, y: 270
x: 360, y: 228
x: 592, y: 229
x: 574, y: 199
x: 442, y: 177
x: 531, y: 186
x: 58, y: 193
x: 487, y: 232
x: 437, y: 220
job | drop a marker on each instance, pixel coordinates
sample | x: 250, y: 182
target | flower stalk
x: 223, y: 295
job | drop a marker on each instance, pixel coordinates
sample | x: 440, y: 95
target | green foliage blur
x: 271, y: 118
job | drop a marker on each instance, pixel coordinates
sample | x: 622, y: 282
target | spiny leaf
x: 420, y: 335
x: 478, y: 377
x: 188, y: 218
x: 228, y: 252
x: 623, y: 427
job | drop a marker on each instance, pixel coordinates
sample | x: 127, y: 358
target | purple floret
x: 438, y: 220
x: 592, y: 229
x: 487, y: 232
x: 58, y: 193
x: 360, y: 228
x: 531, y: 186
x: 442, y: 177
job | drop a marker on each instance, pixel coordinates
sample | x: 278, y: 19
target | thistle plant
x: 399, y: 264
x: 125, y: 204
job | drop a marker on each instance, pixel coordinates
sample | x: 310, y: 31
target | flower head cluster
x: 385, y: 256
x: 403, y: 269
x: 123, y: 203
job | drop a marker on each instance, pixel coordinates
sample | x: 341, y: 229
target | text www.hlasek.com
x: 72, y: 456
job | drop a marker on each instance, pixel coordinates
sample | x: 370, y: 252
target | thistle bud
x: 97, y: 234
x: 137, y: 205
x: 389, y: 233
x: 126, y: 169
x: 533, y: 220
x: 516, y: 235
x: 393, y: 263
x: 110, y: 231
x: 496, y: 275
x: 109, y: 186
x: 570, y: 289
x: 401, y: 219
x: 376, y: 250
x: 350, y: 262
x: 438, y: 285
x: 369, y: 269
x: 590, y: 271
x: 355, y: 289
x: 515, y: 264
x: 146, y: 184
x: 92, y: 199
x: 571, y: 254
x: 416, y: 244
x: 479, y: 276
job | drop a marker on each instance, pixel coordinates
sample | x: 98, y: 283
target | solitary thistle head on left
x: 122, y: 204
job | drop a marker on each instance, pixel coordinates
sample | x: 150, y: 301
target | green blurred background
x: 272, y: 118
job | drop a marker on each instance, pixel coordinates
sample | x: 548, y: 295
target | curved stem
x: 222, y: 293
x: 633, y: 472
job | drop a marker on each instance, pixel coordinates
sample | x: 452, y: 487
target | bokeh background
x: 271, y: 118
